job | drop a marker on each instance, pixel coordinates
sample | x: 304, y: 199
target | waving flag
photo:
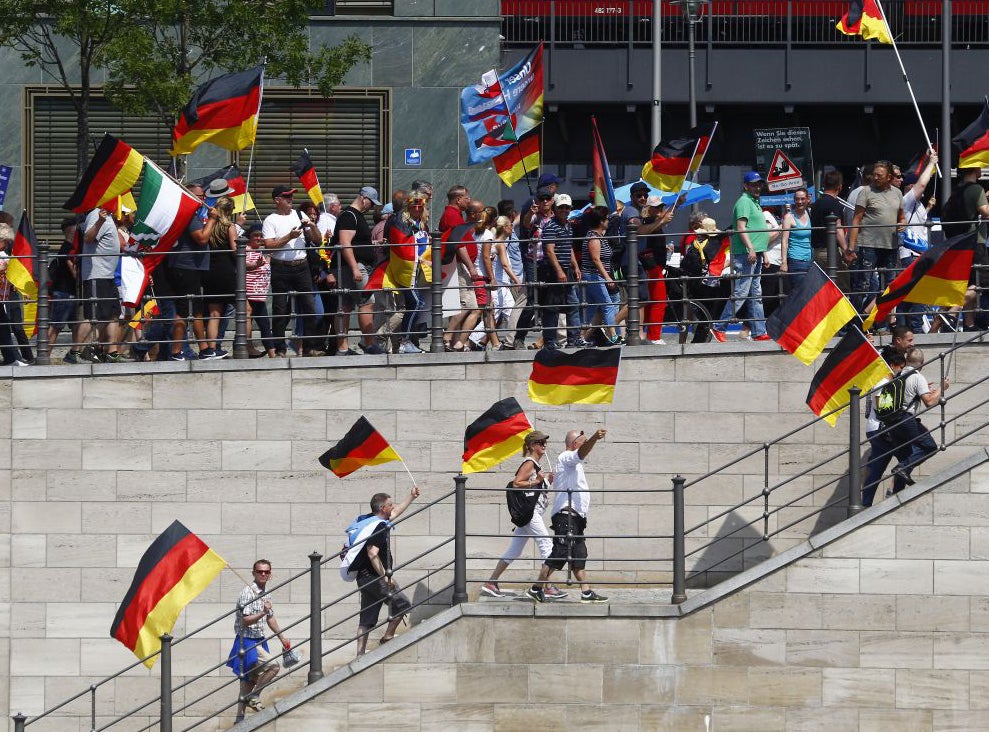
x: 582, y: 377
x: 406, y: 257
x: 235, y: 181
x: 305, y: 171
x: 604, y: 189
x: 223, y: 112
x: 173, y: 571
x: 865, y: 18
x: 361, y: 446
x: 20, y: 271
x: 516, y: 162
x: 113, y: 170
x: 672, y: 160
x: 852, y: 362
x: 495, y: 436
x: 973, y: 143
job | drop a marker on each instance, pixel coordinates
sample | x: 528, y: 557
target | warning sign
x: 784, y: 155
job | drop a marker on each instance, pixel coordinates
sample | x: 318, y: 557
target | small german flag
x: 238, y: 188
x: 20, y: 271
x: 495, y: 436
x: 939, y: 277
x: 362, y: 446
x: 173, y: 571
x: 810, y: 317
x: 305, y: 171
x: 852, y: 362
x: 973, y: 143
x: 865, y: 18
x: 518, y: 160
x: 142, y: 315
x: 583, y: 377
x: 223, y: 112
x: 113, y: 170
x: 672, y: 160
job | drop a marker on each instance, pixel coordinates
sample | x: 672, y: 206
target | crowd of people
x: 545, y: 269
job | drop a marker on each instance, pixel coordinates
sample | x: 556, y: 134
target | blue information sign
x: 413, y: 157
x: 5, y: 171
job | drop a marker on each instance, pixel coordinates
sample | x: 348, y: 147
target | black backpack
x: 954, y: 211
x: 889, y: 398
x: 521, y: 502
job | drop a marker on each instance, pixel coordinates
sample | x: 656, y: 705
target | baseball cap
x: 544, y: 192
x: 639, y: 185
x: 654, y: 201
x: 708, y: 225
x: 562, y: 199
x: 388, y: 209
x: 282, y: 190
x: 548, y: 179
x: 371, y: 195
x: 536, y: 436
x: 751, y: 177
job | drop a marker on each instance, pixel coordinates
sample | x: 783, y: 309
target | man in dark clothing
x: 828, y: 204
x: 64, y: 276
x: 559, y: 272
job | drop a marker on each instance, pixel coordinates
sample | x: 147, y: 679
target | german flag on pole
x: 583, y: 377
x: 809, y: 318
x: 362, y: 446
x: 235, y: 181
x: 173, y: 571
x: 495, y: 436
x: 939, y: 277
x: 20, y: 271
x: 673, y: 159
x: 518, y: 160
x: 223, y: 112
x: 305, y: 171
x: 852, y: 362
x: 113, y: 170
x: 865, y: 18
x: 973, y: 143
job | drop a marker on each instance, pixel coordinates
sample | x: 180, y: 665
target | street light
x: 692, y: 11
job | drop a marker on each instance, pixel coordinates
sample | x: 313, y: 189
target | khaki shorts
x: 468, y: 297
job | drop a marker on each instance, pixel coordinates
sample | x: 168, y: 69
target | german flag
x: 117, y: 205
x: 113, y: 170
x: 305, y: 171
x: 143, y: 314
x: 852, y: 362
x: 235, y: 181
x: 865, y: 18
x: 920, y: 162
x: 939, y: 277
x: 973, y: 143
x: 809, y: 318
x: 173, y: 571
x: 362, y: 446
x: 495, y: 436
x: 518, y: 161
x: 583, y: 377
x: 223, y: 112
x: 20, y: 271
x: 672, y: 160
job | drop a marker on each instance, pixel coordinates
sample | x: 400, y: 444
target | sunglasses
x: 262, y: 571
x: 545, y: 198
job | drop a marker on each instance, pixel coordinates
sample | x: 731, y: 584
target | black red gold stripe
x: 495, y: 436
x: 361, y: 446
x: 114, y: 169
x: 582, y: 377
x: 852, y: 362
x: 973, y: 142
x: 223, y: 112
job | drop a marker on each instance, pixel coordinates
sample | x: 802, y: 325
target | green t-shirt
x: 748, y: 208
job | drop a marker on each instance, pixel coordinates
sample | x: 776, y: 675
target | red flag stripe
x: 850, y: 367
x: 495, y: 434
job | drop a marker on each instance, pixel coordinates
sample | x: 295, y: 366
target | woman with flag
x: 409, y: 267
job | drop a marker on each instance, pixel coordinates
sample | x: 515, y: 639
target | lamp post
x: 692, y: 11
x: 657, y: 68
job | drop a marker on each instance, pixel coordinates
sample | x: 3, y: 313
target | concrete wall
x: 96, y: 461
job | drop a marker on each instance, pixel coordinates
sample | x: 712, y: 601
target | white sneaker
x: 656, y: 342
x: 408, y: 347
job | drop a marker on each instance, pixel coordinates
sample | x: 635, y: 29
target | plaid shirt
x: 251, y: 601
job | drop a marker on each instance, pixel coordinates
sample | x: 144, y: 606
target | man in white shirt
x: 327, y: 222
x: 283, y: 237
x: 573, y: 499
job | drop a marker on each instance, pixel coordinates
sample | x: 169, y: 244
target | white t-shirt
x: 775, y: 250
x: 570, y: 476
x: 279, y: 225
x: 916, y: 217
x: 915, y: 385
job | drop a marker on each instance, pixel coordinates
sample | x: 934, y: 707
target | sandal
x: 385, y: 639
x: 255, y: 703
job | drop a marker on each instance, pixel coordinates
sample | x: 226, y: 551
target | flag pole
x: 916, y: 108
x: 695, y: 170
x: 250, y: 161
x: 409, y: 473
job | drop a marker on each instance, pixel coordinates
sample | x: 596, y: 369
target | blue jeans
x: 746, y: 292
x: 415, y: 303
x: 598, y: 297
x: 796, y: 272
x: 886, y: 262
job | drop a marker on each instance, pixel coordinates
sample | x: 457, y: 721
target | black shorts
x: 101, y: 302
x: 186, y: 282
x: 374, y: 594
x: 572, y: 549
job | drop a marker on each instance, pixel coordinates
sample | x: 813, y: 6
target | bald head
x: 573, y: 438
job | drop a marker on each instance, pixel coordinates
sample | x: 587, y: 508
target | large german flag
x: 973, y: 143
x: 20, y: 271
x: 852, y: 362
x: 113, y: 170
x: 305, y: 171
x: 223, y: 112
x: 939, y: 277
x: 495, y: 436
x: 810, y: 317
x: 672, y: 160
x: 583, y: 377
x: 519, y: 160
x: 362, y: 446
x: 173, y: 571
x: 864, y: 18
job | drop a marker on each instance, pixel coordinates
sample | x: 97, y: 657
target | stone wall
x: 96, y: 461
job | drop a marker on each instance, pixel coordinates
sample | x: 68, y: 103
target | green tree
x: 169, y: 46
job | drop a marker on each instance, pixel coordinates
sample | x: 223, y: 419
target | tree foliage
x: 168, y: 47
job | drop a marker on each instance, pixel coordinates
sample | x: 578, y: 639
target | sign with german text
x: 785, y: 156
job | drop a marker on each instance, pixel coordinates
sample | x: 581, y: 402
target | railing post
x: 19, y: 720
x: 92, y: 707
x: 44, y: 307
x: 165, y: 713
x: 679, y: 547
x: 436, y: 295
x: 460, y: 540
x: 632, y: 281
x: 831, y: 242
x: 240, y: 302
x: 854, y: 451
x: 315, y: 619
